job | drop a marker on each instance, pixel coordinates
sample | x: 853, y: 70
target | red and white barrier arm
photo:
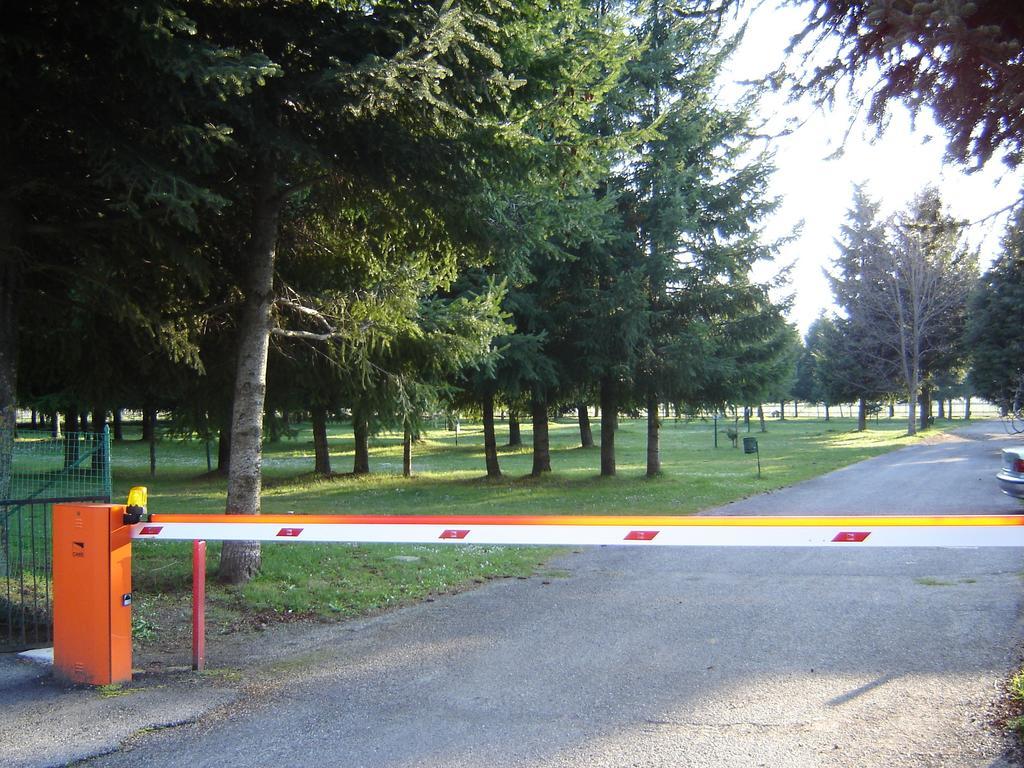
x: 911, y: 531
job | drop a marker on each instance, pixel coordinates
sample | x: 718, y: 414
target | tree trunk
x: 240, y: 560
x: 118, y: 424
x: 862, y: 415
x: 321, y: 450
x: 746, y: 417
x: 760, y: 417
x: 796, y: 409
x: 942, y: 407
x: 609, y: 408
x: 361, y: 433
x: 967, y: 407
x: 55, y: 425
x: 148, y: 423
x: 10, y: 283
x: 827, y: 417
x: 83, y: 421
x: 515, y: 435
x: 70, y: 440
x: 586, y: 433
x: 273, y: 427
x: 224, y: 449
x: 99, y: 421
x: 653, y: 436
x: 782, y: 410
x: 407, y: 452
x: 912, y: 396
x: 541, y: 444
x: 151, y: 417
x: 490, y: 439
x: 892, y: 409
x: 926, y: 407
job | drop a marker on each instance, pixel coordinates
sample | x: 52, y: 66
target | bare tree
x: 915, y: 293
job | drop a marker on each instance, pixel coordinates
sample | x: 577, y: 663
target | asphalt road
x: 674, y: 657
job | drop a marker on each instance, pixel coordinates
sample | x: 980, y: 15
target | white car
x: 1011, y: 476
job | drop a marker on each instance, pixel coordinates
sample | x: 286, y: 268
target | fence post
x: 107, y: 489
x: 6, y: 461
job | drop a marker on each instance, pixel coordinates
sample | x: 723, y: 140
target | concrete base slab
x: 42, y: 656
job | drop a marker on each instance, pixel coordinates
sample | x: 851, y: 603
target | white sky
x: 818, y: 191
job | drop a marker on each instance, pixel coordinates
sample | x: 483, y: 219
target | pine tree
x: 700, y: 222
x: 685, y: 202
x: 960, y: 58
x: 860, y: 367
x: 106, y: 141
x: 359, y: 104
x: 572, y: 60
x: 816, y: 382
x: 995, y: 324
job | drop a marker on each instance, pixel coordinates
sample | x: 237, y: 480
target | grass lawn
x: 338, y: 580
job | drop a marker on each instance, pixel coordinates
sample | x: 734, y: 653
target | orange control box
x: 92, y: 593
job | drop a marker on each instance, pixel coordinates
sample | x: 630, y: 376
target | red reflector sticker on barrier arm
x: 855, y: 537
x: 646, y: 531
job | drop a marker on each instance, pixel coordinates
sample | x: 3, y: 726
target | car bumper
x: 1012, y: 485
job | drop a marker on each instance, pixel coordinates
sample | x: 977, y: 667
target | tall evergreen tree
x: 573, y: 60
x: 106, y: 141
x: 995, y: 324
x: 689, y: 201
x: 360, y: 103
x: 805, y: 385
x: 815, y: 383
x: 859, y: 366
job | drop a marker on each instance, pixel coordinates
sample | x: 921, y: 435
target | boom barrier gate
x: 92, y: 552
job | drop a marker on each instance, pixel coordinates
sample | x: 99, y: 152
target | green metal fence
x: 37, y: 470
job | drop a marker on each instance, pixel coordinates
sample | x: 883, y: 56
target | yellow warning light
x: 136, y: 506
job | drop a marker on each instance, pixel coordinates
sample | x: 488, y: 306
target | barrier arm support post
x: 198, y: 605
x: 92, y: 593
